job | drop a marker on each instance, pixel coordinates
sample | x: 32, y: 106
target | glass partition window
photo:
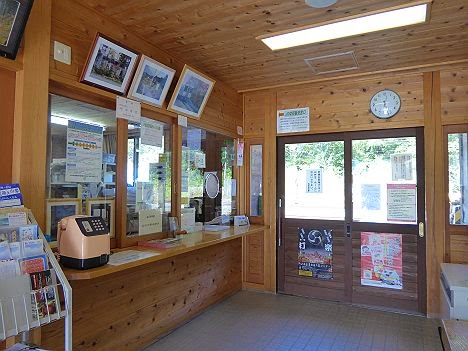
x: 384, y: 180
x: 458, y: 178
x: 256, y: 174
x: 148, y: 177
x: 314, y: 180
x: 208, y: 186
x: 81, y: 162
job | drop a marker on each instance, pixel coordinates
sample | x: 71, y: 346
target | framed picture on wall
x: 56, y: 209
x: 110, y: 65
x: 102, y: 208
x: 151, y: 82
x: 191, y: 93
x: 13, y: 17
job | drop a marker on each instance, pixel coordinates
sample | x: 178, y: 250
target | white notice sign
x: 151, y: 132
x: 128, y: 109
x: 293, y: 120
x: 314, y: 181
x: 149, y: 222
x: 401, y: 203
x: 402, y: 167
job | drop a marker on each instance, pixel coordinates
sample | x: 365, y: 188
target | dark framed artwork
x: 13, y: 18
x: 110, y: 65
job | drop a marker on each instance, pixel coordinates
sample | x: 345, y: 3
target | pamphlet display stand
x: 19, y: 307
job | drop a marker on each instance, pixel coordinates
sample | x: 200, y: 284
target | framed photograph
x: 110, y: 65
x: 56, y: 209
x: 191, y: 93
x: 151, y: 82
x: 13, y: 17
x: 102, y: 208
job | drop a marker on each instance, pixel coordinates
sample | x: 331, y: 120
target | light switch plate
x: 62, y: 53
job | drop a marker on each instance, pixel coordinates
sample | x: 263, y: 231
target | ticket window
x: 208, y: 185
x: 149, y: 175
x: 81, y: 162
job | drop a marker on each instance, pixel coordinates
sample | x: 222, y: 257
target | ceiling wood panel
x: 219, y: 36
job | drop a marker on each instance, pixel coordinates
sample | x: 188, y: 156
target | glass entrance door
x: 350, y: 218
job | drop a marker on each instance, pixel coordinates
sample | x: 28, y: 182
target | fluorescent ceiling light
x: 59, y: 120
x: 63, y: 121
x: 346, y: 28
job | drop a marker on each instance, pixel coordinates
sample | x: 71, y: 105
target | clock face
x: 385, y: 104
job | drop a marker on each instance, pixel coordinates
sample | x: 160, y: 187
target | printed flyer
x: 315, y: 254
x: 84, y: 153
x: 381, y: 260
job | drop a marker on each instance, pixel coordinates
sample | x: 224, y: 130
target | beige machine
x: 83, y: 242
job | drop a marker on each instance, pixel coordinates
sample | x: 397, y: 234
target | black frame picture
x: 14, y: 15
x: 110, y: 65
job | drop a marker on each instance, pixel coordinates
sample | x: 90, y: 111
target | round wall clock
x: 385, y: 104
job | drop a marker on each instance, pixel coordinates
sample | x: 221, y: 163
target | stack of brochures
x: 161, y: 243
x: 28, y: 289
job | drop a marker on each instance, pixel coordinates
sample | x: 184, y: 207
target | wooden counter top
x: 189, y: 242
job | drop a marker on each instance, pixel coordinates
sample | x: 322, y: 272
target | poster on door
x: 314, y: 180
x: 401, y: 203
x: 381, y: 260
x: 402, y: 167
x: 315, y: 253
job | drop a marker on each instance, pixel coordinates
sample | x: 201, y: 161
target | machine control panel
x: 91, y: 226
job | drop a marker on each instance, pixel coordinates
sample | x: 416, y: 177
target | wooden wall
x: 130, y: 310
x: 429, y: 99
x: 7, y: 113
x: 76, y: 25
x: 454, y: 111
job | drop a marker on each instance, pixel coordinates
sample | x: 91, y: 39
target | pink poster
x: 381, y: 260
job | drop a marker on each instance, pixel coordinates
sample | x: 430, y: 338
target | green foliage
x: 331, y: 154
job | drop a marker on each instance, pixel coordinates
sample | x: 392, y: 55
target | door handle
x: 348, y: 230
x: 421, y: 229
x: 280, y: 205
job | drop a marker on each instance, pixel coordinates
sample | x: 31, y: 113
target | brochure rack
x: 19, y: 310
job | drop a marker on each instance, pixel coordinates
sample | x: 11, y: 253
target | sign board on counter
x: 149, y: 222
x: 293, y: 120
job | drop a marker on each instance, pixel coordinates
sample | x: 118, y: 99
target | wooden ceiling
x: 218, y: 36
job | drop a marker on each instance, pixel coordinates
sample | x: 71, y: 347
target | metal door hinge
x: 421, y: 229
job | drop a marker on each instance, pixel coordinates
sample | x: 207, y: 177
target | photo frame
x: 110, y: 65
x: 14, y: 15
x: 105, y: 208
x: 151, y: 82
x: 191, y: 93
x: 56, y: 209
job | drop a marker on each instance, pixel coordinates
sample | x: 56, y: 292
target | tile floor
x: 250, y: 321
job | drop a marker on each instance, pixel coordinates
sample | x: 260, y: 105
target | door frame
x: 347, y: 137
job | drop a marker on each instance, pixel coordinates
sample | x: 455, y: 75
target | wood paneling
x: 453, y: 111
x: 405, y: 299
x: 459, y: 248
x: 130, y: 309
x: 76, y: 26
x: 219, y: 36
x: 344, y: 105
x: 454, y: 96
x: 31, y: 111
x: 433, y: 153
x: 7, y: 111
